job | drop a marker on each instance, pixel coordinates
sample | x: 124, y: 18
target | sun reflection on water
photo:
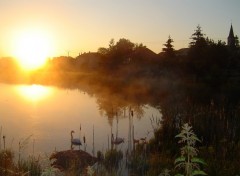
x: 34, y: 92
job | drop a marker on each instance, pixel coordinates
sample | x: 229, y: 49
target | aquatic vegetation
x: 22, y: 146
x: 90, y: 171
x: 6, y: 162
x: 72, y: 161
x: 30, y: 166
x: 113, y: 158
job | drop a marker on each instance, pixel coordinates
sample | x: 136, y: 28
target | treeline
x: 205, y: 62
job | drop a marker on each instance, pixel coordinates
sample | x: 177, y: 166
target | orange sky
x: 80, y: 26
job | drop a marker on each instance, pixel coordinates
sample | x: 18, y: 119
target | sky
x: 76, y: 26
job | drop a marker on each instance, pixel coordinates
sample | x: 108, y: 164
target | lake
x: 41, y: 118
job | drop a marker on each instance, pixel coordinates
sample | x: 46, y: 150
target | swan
x: 75, y: 141
x: 117, y: 140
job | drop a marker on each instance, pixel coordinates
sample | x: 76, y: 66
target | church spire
x: 231, y: 38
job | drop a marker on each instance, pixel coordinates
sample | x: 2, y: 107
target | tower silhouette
x: 231, y: 39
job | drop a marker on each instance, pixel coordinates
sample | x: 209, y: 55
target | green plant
x: 138, y: 163
x: 30, y: 166
x: 48, y: 168
x: 165, y: 172
x: 6, y: 162
x: 113, y: 158
x: 90, y: 171
x: 23, y: 143
x: 188, y: 161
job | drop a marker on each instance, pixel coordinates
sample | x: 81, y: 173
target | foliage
x: 169, y: 49
x: 6, y: 162
x: 31, y: 166
x: 188, y: 160
x: 157, y: 161
x: 165, y: 172
x: 138, y: 161
x: 237, y: 41
x: 48, y: 168
x: 49, y: 172
x: 22, y: 146
x: 198, y: 39
x: 113, y: 158
x: 90, y: 171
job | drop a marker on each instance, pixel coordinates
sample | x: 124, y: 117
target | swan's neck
x: 71, y: 136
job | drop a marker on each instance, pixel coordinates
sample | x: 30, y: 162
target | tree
x: 124, y: 47
x: 198, y: 39
x: 119, y: 53
x: 236, y: 41
x: 111, y: 44
x: 169, y: 50
x: 103, y: 51
x: 198, y: 51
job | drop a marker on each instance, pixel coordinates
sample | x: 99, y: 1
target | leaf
x: 179, y: 175
x: 199, y: 161
x: 198, y: 172
x: 196, y: 138
x: 180, y: 135
x: 179, y: 159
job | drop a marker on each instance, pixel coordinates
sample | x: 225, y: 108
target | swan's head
x: 72, y: 131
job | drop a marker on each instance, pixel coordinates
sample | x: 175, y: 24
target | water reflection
x: 48, y: 114
x: 34, y: 92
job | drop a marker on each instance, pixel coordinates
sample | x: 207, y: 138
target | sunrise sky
x: 77, y: 26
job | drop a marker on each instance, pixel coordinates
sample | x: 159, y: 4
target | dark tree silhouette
x: 103, y: 51
x: 198, y: 39
x: 169, y: 50
x: 117, y: 54
x: 237, y: 41
x: 111, y: 44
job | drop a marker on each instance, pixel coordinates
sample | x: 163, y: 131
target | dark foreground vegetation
x: 199, y: 85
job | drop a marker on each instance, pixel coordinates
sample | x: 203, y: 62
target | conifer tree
x: 169, y: 50
x: 198, y: 39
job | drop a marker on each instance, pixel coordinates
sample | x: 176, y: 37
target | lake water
x: 47, y: 115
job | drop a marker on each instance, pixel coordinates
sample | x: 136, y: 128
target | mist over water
x: 50, y: 118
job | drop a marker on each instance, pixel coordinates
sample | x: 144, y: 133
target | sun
x: 34, y: 92
x: 32, y: 48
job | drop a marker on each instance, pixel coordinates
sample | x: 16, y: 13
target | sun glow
x: 34, y: 93
x: 32, y: 48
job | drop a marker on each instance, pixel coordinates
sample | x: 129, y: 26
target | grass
x: 156, y: 158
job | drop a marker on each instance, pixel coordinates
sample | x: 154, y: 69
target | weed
x: 188, y: 161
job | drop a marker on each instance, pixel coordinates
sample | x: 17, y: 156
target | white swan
x: 75, y: 141
x: 117, y: 140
